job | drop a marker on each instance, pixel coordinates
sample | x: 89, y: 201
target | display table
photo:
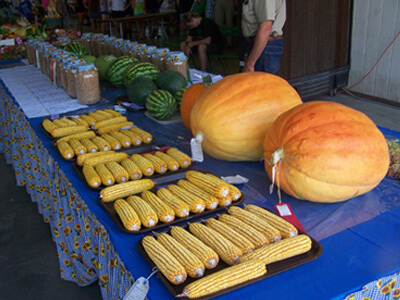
x: 360, y: 237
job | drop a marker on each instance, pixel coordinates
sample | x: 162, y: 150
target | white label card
x: 138, y: 290
x: 284, y: 210
x: 197, y: 150
x: 235, y: 179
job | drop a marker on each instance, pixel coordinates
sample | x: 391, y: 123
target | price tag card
x: 138, y: 290
x: 238, y: 179
x: 285, y: 211
x: 197, y: 150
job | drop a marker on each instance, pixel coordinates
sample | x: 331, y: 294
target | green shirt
x: 208, y: 28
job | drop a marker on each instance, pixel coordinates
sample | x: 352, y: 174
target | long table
x: 360, y: 237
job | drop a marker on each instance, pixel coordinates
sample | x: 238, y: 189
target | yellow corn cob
x: 192, y: 264
x: 122, y: 138
x: 159, y: 165
x: 60, y: 124
x: 119, y: 173
x: 63, y: 131
x: 114, y: 143
x: 133, y: 169
x: 215, y: 188
x: 114, y: 127
x: 195, y: 203
x: 144, y: 164
x: 183, y: 159
x: 89, y: 119
x: 257, y: 223
x: 80, y: 121
x: 210, y: 201
x: 104, y: 114
x: 101, y: 143
x: 77, y: 146
x: 172, y: 164
x: 80, y: 135
x: 48, y: 125
x: 107, y: 156
x: 235, y: 237
x: 125, y: 189
x: 234, y: 192
x: 65, y: 150
x: 286, y: 229
x: 280, y: 250
x: 254, y: 236
x: 81, y: 158
x: 112, y: 112
x: 166, y: 263
x: 144, y: 135
x: 225, y: 201
x: 67, y: 121
x: 146, y: 213
x: 99, y: 116
x: 135, y: 139
x: 127, y: 214
x: 226, y: 250
x: 109, y: 121
x: 91, y: 176
x: 164, y: 212
x: 106, y: 176
x: 90, y: 146
x: 207, y: 255
x: 180, y: 207
x: 224, y: 279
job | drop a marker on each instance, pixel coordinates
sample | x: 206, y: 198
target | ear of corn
x: 146, y: 213
x: 257, y: 223
x: 80, y: 135
x: 195, y: 203
x: 65, y: 150
x: 67, y: 122
x: 125, y: 189
x: 106, y: 176
x: 114, y: 143
x: 212, y: 186
x: 207, y: 255
x: 112, y: 112
x: 105, y: 157
x: 80, y: 121
x: 172, y: 164
x: 48, y: 125
x: 114, y: 127
x: 101, y: 143
x: 183, y: 159
x: 280, y: 250
x: 91, y: 176
x: 286, y: 229
x: 89, y: 119
x: 210, y: 201
x: 60, y: 124
x: 63, y: 131
x: 89, y: 145
x: 159, y: 165
x: 127, y: 214
x: 192, y: 264
x: 100, y: 115
x: 122, y: 138
x: 254, y: 236
x: 180, y: 207
x: 235, y: 193
x: 225, y: 201
x: 135, y: 138
x: 166, y: 263
x: 109, y: 121
x: 144, y: 164
x: 146, y: 137
x: 81, y: 158
x: 133, y: 169
x: 119, y: 173
x: 165, y: 213
x: 77, y: 146
x: 224, y: 279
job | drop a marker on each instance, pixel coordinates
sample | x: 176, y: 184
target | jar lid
x: 139, y: 47
x: 160, y: 52
x: 86, y: 67
x: 149, y: 49
x: 176, y: 56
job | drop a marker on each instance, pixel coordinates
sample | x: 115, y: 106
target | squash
x: 325, y: 152
x: 232, y: 116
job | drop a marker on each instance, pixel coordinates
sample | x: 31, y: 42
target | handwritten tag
x: 138, y: 290
x: 285, y: 211
x: 238, y: 179
x: 197, y: 150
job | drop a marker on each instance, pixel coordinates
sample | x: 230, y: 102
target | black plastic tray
x: 120, y: 100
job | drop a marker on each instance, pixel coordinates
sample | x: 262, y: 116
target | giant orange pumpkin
x: 232, y: 116
x: 326, y: 152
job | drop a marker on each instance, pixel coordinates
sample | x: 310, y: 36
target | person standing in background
x: 127, y: 27
x: 262, y: 23
x: 210, y: 9
x: 152, y: 8
x: 80, y: 14
x: 139, y: 8
x: 117, y: 11
x: 93, y: 8
x: 104, y: 15
x: 224, y: 14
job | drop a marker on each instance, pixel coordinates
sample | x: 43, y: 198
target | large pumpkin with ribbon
x: 325, y: 152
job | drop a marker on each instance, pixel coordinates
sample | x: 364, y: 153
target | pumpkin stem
x: 277, y: 156
x: 199, y: 136
x: 207, y: 81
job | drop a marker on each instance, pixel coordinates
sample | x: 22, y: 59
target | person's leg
x: 203, y: 56
x: 80, y: 17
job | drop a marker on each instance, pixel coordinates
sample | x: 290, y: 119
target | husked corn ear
x: 135, y: 139
x: 146, y: 213
x: 144, y: 164
x: 133, y: 169
x: 210, y: 201
x: 81, y: 158
x: 89, y: 119
x: 114, y: 143
x: 107, y: 156
x: 127, y: 214
x: 80, y: 121
x: 280, y: 250
x: 98, y: 115
x: 235, y: 237
x: 192, y: 264
x: 122, y: 138
x: 214, y: 187
x: 159, y: 165
x: 106, y: 176
x: 90, y: 146
x: 225, y: 201
x: 77, y: 146
x: 63, y: 131
x: 165, y: 213
x: 114, y: 127
x: 91, y: 176
x: 67, y: 121
x: 103, y: 113
x: 112, y: 112
x: 254, y: 236
x: 180, y: 207
x: 286, y: 229
x: 80, y: 135
x: 125, y: 189
x: 172, y: 164
x: 165, y: 262
x: 183, y: 159
x: 65, y: 150
x: 119, y: 173
x: 257, y: 223
x: 235, y: 192
x: 101, y: 143
x: 48, y: 125
x: 224, y: 279
x: 226, y: 250
x: 60, y: 124
x: 109, y: 121
x: 144, y: 135
x: 207, y: 255
x: 195, y: 203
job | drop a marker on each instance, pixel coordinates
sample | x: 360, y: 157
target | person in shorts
x: 104, y: 15
x: 93, y: 8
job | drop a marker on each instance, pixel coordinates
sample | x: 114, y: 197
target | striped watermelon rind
x: 161, y: 105
x: 115, y: 73
x: 144, y: 69
x: 179, y: 95
x: 76, y: 49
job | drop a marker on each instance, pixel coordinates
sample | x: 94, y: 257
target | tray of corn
x: 146, y: 205
x: 213, y: 256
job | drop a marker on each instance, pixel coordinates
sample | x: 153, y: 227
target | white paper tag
x: 283, y: 210
x: 197, y: 150
x: 138, y: 290
x: 271, y: 187
x: 235, y: 179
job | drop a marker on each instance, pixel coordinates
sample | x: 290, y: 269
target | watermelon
x: 179, y: 95
x: 89, y: 58
x: 161, y: 104
x: 76, y: 49
x: 144, y: 69
x: 139, y: 88
x: 115, y: 73
x: 102, y: 64
x: 171, y: 81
